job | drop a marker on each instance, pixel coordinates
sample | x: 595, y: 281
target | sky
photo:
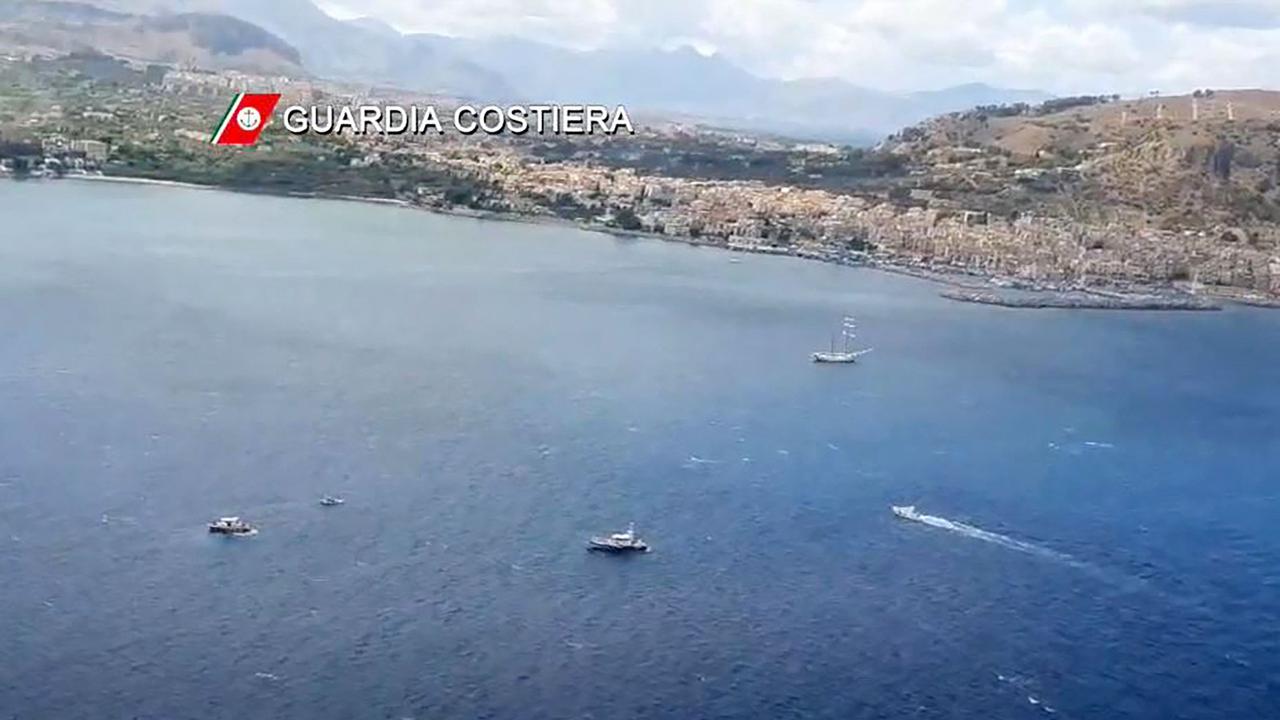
x: 1061, y: 46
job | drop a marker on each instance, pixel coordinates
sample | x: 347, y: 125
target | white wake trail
x: 1121, y: 581
x: 997, y: 539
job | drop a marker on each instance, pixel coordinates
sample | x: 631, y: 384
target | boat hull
x: 605, y: 547
x: 835, y: 358
x: 232, y: 533
x: 232, y: 526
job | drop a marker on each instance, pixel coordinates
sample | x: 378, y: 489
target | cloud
x: 1065, y: 46
x: 1255, y: 14
x: 573, y: 23
x: 1092, y: 50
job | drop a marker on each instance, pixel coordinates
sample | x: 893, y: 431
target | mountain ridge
x: 210, y: 40
x: 678, y: 81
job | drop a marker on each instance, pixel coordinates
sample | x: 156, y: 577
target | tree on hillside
x: 1221, y: 159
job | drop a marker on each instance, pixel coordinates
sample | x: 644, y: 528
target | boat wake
x: 695, y: 463
x: 1026, y: 686
x: 1119, y: 580
x: 987, y: 536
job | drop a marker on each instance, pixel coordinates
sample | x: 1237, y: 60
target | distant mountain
x: 366, y: 51
x: 679, y: 82
x: 686, y: 82
x: 375, y: 26
x: 222, y: 34
x: 208, y: 40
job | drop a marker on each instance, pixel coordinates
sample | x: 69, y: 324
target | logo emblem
x: 246, y: 118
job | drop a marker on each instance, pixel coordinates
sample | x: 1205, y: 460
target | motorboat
x: 619, y: 542
x: 231, y: 526
x: 906, y: 512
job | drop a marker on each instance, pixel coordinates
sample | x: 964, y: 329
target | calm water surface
x: 488, y: 394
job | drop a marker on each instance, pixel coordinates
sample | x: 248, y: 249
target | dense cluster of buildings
x: 54, y: 156
x: 1036, y: 250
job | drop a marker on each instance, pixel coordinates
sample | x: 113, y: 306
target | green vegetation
x: 294, y: 169
x: 710, y: 157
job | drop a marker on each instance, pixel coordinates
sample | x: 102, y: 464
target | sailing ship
x: 848, y: 330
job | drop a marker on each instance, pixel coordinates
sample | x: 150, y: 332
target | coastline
x: 1077, y: 300
x: 959, y: 285
x: 198, y: 186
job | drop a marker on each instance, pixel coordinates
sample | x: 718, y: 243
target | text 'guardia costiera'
x: 464, y: 120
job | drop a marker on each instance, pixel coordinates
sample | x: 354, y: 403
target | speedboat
x: 619, y: 542
x: 906, y: 512
x: 331, y: 501
x: 231, y: 526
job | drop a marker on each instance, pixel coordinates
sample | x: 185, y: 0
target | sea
x: 1101, y: 489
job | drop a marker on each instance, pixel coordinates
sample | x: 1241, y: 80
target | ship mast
x: 849, y: 331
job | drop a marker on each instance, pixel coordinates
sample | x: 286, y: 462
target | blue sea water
x: 486, y: 395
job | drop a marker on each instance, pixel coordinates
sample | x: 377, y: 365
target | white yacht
x: 619, y: 542
x: 331, y: 501
x: 231, y: 526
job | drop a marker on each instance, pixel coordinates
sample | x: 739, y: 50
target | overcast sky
x: 1064, y: 46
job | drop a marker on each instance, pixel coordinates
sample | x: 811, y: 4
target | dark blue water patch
x: 487, y: 395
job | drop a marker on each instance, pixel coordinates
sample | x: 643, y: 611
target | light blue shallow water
x: 486, y: 395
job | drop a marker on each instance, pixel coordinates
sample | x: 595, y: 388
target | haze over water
x: 486, y: 395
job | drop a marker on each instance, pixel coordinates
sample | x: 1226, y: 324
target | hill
x: 207, y: 40
x: 1160, y: 189
x: 1186, y: 163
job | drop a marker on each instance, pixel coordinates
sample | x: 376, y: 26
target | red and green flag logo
x: 248, y: 114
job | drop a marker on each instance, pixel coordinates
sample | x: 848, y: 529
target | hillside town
x: 940, y: 198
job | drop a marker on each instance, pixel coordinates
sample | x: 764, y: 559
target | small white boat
x: 619, y: 542
x: 331, y: 501
x: 231, y: 525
